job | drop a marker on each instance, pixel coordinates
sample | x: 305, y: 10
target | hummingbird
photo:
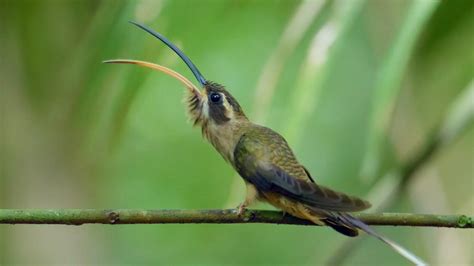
x: 262, y: 157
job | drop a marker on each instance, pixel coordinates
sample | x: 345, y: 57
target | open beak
x: 188, y: 84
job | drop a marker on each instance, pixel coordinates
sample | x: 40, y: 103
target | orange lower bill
x: 189, y: 85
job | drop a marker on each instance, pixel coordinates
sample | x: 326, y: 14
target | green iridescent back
x: 263, y: 158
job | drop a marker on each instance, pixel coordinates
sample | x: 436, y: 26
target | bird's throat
x: 224, y: 137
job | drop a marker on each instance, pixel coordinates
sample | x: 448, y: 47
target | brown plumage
x: 263, y: 158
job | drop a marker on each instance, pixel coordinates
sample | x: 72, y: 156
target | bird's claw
x: 241, y: 209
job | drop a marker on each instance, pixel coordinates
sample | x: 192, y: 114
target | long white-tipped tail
x: 346, y: 218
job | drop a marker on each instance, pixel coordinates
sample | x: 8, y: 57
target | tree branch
x: 229, y: 216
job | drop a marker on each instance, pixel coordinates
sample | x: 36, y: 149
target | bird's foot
x: 241, y: 209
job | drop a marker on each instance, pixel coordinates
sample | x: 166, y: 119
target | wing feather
x: 255, y: 163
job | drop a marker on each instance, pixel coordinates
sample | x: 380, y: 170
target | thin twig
x: 226, y: 216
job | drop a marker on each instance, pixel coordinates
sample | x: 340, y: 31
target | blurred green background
x: 357, y: 87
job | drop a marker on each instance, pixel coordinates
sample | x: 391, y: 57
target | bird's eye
x: 215, y: 97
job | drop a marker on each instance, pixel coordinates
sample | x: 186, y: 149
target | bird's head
x: 212, y: 105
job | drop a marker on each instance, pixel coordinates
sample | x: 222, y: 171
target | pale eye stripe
x: 228, y: 107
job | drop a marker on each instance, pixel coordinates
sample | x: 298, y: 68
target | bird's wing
x: 268, y: 163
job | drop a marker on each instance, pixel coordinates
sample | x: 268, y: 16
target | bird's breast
x: 224, y: 138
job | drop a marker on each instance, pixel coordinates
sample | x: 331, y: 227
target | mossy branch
x: 229, y: 216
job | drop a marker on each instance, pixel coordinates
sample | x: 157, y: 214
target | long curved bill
x: 188, y: 84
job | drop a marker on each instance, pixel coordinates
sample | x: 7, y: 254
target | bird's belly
x: 290, y: 206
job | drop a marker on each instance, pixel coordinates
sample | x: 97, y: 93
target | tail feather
x: 342, y: 228
x: 350, y: 220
